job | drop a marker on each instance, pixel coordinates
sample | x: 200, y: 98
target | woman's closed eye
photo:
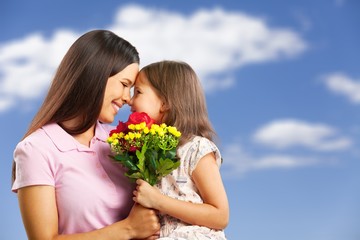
x: 126, y: 83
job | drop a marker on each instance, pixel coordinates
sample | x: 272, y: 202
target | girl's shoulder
x: 197, y: 147
x: 201, y: 143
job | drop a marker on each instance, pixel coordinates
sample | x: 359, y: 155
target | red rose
x: 139, y: 117
x: 121, y: 127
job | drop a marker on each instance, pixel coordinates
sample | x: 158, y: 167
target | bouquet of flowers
x: 146, y: 149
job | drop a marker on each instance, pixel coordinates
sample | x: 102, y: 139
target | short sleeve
x: 32, y: 166
x: 203, y: 146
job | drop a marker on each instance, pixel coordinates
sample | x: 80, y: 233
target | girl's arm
x: 39, y: 213
x: 213, y: 213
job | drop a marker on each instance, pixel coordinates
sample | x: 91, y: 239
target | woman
x: 67, y: 186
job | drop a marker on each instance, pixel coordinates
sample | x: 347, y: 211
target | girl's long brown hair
x: 178, y: 85
x: 78, y: 87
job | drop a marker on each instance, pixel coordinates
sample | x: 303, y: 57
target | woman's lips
x: 116, y: 106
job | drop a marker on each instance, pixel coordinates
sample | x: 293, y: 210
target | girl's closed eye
x: 137, y: 91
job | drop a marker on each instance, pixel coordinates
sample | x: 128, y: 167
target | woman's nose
x: 126, y: 97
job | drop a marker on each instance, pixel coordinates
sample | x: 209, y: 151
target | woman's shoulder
x: 33, y: 147
x: 35, y: 138
x: 40, y: 138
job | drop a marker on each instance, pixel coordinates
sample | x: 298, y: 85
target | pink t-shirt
x: 91, y: 189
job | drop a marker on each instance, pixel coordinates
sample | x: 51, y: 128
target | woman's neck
x: 83, y: 138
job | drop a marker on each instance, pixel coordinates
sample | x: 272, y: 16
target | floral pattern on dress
x: 179, y: 185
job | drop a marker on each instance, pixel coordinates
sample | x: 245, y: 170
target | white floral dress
x: 179, y: 185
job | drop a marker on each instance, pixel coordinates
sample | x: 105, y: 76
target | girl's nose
x: 130, y: 102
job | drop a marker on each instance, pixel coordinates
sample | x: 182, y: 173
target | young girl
x: 191, y: 200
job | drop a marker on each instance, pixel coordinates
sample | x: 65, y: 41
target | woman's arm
x: 39, y: 213
x: 213, y: 213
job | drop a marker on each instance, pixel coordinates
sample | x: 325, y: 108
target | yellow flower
x: 155, y: 127
x: 143, y: 125
x: 146, y: 130
x: 160, y: 132
x: 131, y: 135
x: 140, y: 126
x: 174, y: 131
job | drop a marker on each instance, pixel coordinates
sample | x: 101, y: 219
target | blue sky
x: 282, y: 83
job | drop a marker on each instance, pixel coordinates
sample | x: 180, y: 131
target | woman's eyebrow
x: 128, y: 81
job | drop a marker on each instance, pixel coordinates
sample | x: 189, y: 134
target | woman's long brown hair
x: 78, y: 87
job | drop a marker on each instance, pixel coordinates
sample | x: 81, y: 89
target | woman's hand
x: 144, y: 222
x: 146, y: 195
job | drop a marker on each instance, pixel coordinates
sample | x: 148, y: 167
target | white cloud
x: 282, y: 134
x: 214, y: 42
x: 5, y: 104
x: 237, y: 161
x: 341, y: 84
x: 283, y: 161
x: 27, y: 65
x: 293, y: 144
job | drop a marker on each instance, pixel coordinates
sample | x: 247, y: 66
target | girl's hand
x: 146, y: 195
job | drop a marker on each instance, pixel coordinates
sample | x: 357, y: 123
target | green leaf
x: 153, y: 180
x: 141, y: 156
x: 156, y: 158
x: 130, y: 165
x: 166, y: 166
x: 146, y: 175
x: 134, y: 175
x: 151, y: 158
x: 171, y: 153
x: 175, y: 165
x: 121, y: 158
x: 127, y: 161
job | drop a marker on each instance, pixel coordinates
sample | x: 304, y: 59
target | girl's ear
x: 164, y: 107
